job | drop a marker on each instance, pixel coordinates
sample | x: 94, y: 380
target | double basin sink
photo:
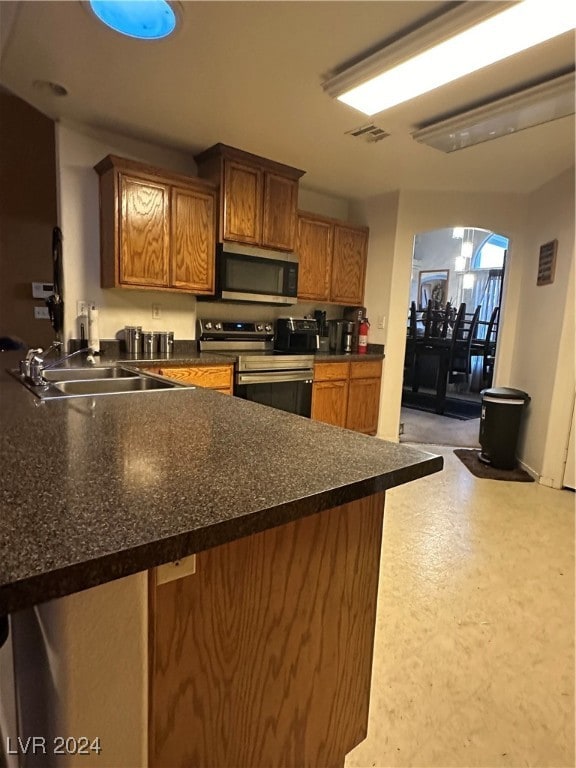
x: 91, y: 382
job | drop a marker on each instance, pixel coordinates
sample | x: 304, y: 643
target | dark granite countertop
x: 93, y: 489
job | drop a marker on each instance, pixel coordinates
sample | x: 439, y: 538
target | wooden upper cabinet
x: 332, y: 260
x: 242, y: 203
x: 193, y: 240
x: 157, y: 228
x: 258, y: 197
x: 144, y: 232
x: 279, y: 212
x: 349, y: 264
x: 314, y: 258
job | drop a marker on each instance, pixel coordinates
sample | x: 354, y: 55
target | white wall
x: 323, y: 205
x: 388, y: 287
x: 543, y: 360
x: 536, y: 339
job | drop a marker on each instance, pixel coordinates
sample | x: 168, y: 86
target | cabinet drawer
x: 331, y: 371
x: 371, y: 369
x: 213, y: 377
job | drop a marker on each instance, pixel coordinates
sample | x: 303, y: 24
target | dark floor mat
x: 471, y: 460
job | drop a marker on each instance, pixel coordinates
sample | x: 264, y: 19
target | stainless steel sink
x: 82, y: 374
x: 94, y: 382
x: 111, y: 386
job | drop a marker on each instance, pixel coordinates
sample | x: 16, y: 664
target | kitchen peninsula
x: 258, y: 651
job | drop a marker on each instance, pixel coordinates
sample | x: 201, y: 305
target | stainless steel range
x: 263, y: 374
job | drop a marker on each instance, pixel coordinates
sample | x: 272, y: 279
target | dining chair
x: 411, y: 341
x: 438, y: 347
x: 459, y: 360
x: 489, y: 352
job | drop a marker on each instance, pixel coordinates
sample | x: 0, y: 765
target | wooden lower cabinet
x: 348, y: 394
x: 219, y: 377
x: 329, y: 402
x: 263, y: 656
x: 363, y: 405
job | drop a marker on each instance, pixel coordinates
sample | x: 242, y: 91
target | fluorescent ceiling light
x: 143, y: 19
x: 525, y: 109
x: 386, y: 78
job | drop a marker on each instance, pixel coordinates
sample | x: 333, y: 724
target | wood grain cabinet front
x: 364, y: 396
x: 219, y: 377
x: 263, y: 656
x: 258, y: 197
x: 157, y: 229
x: 348, y: 394
x: 332, y: 260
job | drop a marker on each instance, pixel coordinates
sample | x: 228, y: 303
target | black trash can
x: 500, y: 420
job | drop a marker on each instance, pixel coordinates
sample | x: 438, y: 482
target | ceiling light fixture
x: 142, y: 19
x: 440, y: 52
x: 539, y: 104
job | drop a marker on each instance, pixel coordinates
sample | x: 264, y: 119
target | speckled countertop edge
x: 78, y: 511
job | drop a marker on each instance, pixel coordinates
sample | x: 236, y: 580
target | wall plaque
x: 547, y: 263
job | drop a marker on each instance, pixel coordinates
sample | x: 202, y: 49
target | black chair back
x: 459, y: 366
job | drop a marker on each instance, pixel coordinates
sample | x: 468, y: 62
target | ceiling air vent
x: 369, y: 133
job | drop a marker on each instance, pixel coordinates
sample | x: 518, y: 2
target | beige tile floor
x: 474, y: 647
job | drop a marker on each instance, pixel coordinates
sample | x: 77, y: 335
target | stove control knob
x: 208, y: 325
x: 259, y: 327
x: 268, y: 329
x: 218, y: 326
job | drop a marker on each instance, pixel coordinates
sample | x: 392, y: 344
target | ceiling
x: 249, y: 74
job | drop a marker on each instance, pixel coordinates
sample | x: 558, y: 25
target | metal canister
x: 133, y: 338
x: 163, y: 348
x: 149, y: 344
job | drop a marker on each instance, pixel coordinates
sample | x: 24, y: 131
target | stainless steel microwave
x: 244, y: 273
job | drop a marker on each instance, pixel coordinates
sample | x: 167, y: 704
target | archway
x: 457, y: 268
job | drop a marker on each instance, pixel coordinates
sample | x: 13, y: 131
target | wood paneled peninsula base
x: 261, y: 657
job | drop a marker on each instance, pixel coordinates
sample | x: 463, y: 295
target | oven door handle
x: 274, y: 378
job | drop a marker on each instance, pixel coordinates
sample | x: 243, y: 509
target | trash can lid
x: 506, y: 393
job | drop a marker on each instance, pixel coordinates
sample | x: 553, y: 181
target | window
x: 491, y: 252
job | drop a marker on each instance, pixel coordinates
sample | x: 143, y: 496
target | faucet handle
x: 25, y: 364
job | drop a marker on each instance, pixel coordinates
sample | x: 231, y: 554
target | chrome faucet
x: 33, y: 367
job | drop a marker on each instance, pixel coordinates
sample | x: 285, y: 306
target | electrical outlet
x: 41, y: 313
x: 81, y: 308
x: 156, y: 312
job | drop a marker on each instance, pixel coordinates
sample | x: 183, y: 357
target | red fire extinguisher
x: 363, y: 335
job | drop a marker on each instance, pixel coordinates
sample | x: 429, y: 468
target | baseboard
x: 531, y: 472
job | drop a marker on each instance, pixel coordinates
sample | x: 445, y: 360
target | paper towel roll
x: 93, y: 330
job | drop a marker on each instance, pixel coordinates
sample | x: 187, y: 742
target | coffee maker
x: 347, y: 336
x: 355, y: 315
x: 340, y: 335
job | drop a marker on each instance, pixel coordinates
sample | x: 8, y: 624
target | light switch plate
x: 41, y: 313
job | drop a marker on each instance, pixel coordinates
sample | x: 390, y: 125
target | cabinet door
x: 349, y: 265
x: 329, y: 400
x: 242, y: 203
x: 363, y: 405
x: 144, y: 245
x: 279, y: 212
x: 210, y: 376
x: 193, y: 240
x: 314, y: 248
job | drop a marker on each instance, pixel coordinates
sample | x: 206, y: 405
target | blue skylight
x: 144, y: 19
